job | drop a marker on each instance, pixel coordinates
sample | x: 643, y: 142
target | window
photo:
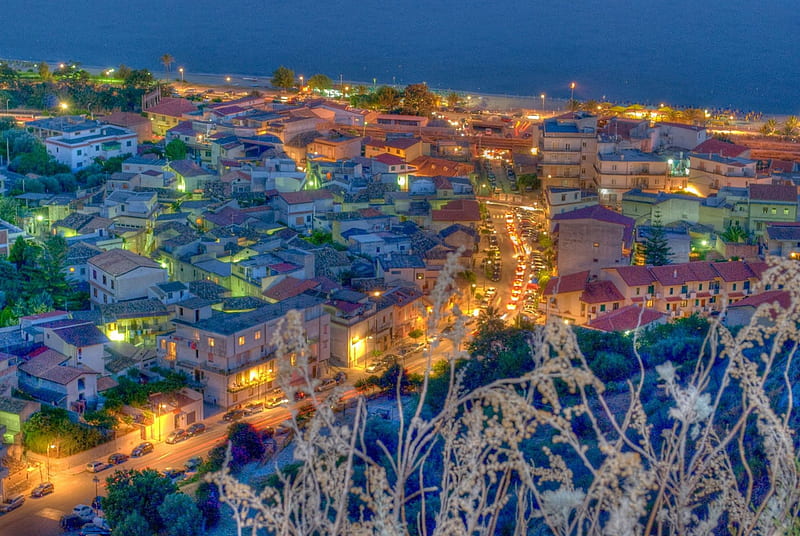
x: 785, y: 211
x: 638, y: 290
x: 79, y: 153
x: 258, y: 335
x: 650, y: 289
x: 684, y: 289
x: 671, y: 291
x: 112, y: 284
x: 128, y: 143
x: 104, y: 280
x: 764, y: 210
x: 241, y: 340
x: 81, y: 384
x: 211, y: 342
x: 603, y: 308
x: 700, y: 286
x: 774, y: 210
x: 734, y: 286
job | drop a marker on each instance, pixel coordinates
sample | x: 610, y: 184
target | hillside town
x: 231, y: 208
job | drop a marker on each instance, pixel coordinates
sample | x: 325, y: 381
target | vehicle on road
x: 117, y: 458
x: 96, y: 466
x: 195, y: 429
x: 12, y: 503
x: 45, y: 488
x: 176, y: 436
x: 141, y: 449
x: 275, y: 399
x: 193, y: 463
x: 90, y: 529
x: 71, y: 522
x: 253, y: 409
x: 233, y: 415
x: 174, y: 473
x: 373, y: 367
x: 325, y: 385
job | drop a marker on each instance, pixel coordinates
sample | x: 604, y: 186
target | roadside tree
x: 320, y: 82
x: 418, y: 100
x: 283, y: 78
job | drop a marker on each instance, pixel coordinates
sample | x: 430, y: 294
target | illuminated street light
x: 301, y: 82
x: 542, y: 96
x: 180, y: 70
x: 571, y: 92
x: 228, y: 79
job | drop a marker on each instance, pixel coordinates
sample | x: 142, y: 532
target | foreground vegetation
x: 685, y: 429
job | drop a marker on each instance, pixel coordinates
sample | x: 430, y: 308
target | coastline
x: 244, y: 82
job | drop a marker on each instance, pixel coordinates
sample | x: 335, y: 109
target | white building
x: 77, y: 148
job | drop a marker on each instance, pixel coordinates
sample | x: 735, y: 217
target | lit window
x: 258, y: 335
x: 211, y: 342
x: 241, y: 340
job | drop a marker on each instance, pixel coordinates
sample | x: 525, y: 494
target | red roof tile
x: 288, y: 288
x: 781, y: 297
x: 634, y: 276
x: 724, y: 148
x: 458, y: 210
x: 304, y: 196
x: 773, y: 192
x: 567, y: 283
x: 734, y: 271
x: 601, y: 292
x: 389, y: 159
x: 172, y: 107
x: 625, y: 319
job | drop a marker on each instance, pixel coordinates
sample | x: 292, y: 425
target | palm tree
x: 769, y: 128
x: 790, y: 126
x: 490, y: 321
x: 167, y: 60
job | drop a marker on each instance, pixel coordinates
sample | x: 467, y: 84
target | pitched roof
x: 81, y: 335
x: 389, y: 159
x: 304, y: 196
x: 121, y: 261
x: 625, y: 319
x: 47, y: 366
x: 288, y: 288
x: 734, y: 270
x: 566, y: 283
x: 724, y: 148
x: 601, y: 292
x: 781, y: 297
x: 188, y: 168
x: 783, y: 231
x: 458, y: 210
x: 171, y: 106
x: 634, y: 276
x: 773, y: 192
x: 600, y: 213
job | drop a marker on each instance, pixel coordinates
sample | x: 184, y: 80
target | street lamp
x: 91, y: 115
x: 96, y: 481
x: 542, y: 97
x: 180, y: 70
x: 571, y: 93
x: 64, y: 106
x: 48, y: 460
x: 301, y: 82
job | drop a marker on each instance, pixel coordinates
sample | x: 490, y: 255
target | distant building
x: 79, y: 148
x: 119, y: 275
x: 567, y: 150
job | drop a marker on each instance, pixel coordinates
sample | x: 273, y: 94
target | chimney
x: 675, y: 274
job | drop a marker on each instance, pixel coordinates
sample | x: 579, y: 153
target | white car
x: 84, y: 511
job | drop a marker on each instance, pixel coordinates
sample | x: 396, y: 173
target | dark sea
x: 739, y: 54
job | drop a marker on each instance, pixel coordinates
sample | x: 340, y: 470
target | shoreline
x: 486, y: 101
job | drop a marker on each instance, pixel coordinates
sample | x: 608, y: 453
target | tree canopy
x: 320, y: 82
x: 283, y: 78
x: 140, y: 492
x: 418, y: 100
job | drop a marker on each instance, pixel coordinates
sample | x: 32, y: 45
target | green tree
x: 246, y: 445
x: 655, y: 249
x: 453, y: 99
x: 490, y: 321
x: 133, y: 525
x: 529, y: 179
x: 320, y: 82
x: 283, y: 78
x: 790, y: 126
x: 137, y: 491
x: 207, y: 497
x: 9, y: 209
x: 44, y: 72
x: 175, y: 150
x: 418, y: 100
x: 167, y: 60
x: 181, y: 516
x: 734, y: 233
x: 769, y: 128
x: 386, y: 98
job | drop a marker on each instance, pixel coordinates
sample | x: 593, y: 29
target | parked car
x: 12, y: 503
x: 90, y: 529
x: 71, y: 522
x: 193, y: 463
x: 96, y: 466
x: 254, y: 408
x: 174, y: 474
x: 340, y: 377
x: 233, y: 415
x: 324, y: 385
x: 117, y: 458
x: 141, y: 449
x: 195, y: 429
x: 176, y: 436
x: 45, y: 488
x: 374, y: 367
x: 84, y: 511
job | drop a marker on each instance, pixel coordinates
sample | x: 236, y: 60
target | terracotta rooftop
x: 625, y: 319
x: 781, y: 297
x: 304, y: 196
x: 723, y: 148
x: 172, y: 107
x: 47, y: 366
x: 566, y: 283
x: 601, y: 292
x: 288, y: 288
x: 773, y: 192
x: 458, y: 210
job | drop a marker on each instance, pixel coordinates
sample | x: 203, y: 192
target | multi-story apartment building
x: 708, y: 172
x: 679, y: 290
x: 232, y: 354
x: 567, y: 150
x: 560, y: 200
x: 78, y: 148
x: 618, y: 172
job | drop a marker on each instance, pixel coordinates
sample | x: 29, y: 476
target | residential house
x: 781, y: 240
x: 360, y: 327
x: 137, y: 322
x: 119, y: 275
x: 134, y: 122
x: 49, y: 378
x: 626, y: 319
x: 742, y: 312
x: 76, y: 264
x: 413, y: 121
x: 167, y: 113
x: 458, y: 211
x: 335, y: 147
x: 677, y: 135
x: 131, y: 211
x: 78, y: 224
x: 405, y: 148
x: 771, y: 203
x: 708, y: 172
x: 558, y: 200
x: 297, y: 209
x: 460, y: 236
x: 190, y: 177
x: 79, y: 340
